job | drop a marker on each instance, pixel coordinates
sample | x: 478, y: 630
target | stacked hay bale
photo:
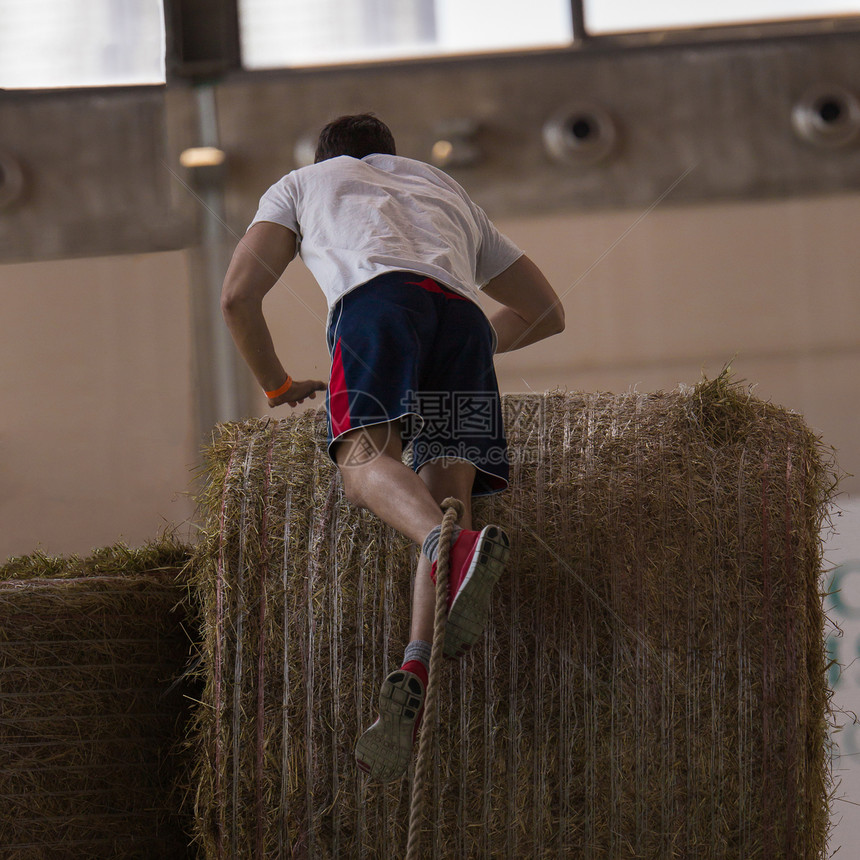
x: 651, y: 681
x: 91, y: 711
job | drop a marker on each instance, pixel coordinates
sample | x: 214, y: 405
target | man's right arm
x: 532, y: 311
x: 258, y: 261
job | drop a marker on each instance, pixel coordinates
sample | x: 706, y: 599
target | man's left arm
x: 258, y: 262
x: 531, y: 310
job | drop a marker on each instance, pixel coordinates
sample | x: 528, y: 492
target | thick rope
x: 453, y: 509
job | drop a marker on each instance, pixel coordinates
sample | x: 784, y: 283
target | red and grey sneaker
x: 384, y: 750
x: 477, y: 562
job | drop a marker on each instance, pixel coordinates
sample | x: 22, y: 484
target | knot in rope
x: 453, y: 509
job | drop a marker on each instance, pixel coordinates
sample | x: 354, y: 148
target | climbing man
x: 400, y: 251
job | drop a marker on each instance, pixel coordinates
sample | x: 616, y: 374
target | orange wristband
x: 282, y: 390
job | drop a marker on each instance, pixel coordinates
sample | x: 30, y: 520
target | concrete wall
x: 95, y: 176
x: 724, y: 109
x: 99, y: 173
x: 96, y: 438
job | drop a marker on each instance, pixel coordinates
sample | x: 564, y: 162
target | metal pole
x: 577, y: 18
x: 222, y: 384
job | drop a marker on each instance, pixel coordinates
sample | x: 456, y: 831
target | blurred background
x: 687, y: 176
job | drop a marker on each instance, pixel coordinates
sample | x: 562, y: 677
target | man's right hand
x: 297, y: 393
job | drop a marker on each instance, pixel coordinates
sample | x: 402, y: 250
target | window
x: 80, y: 43
x: 618, y: 16
x: 284, y: 33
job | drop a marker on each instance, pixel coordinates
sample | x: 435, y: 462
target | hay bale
x: 651, y: 682
x: 89, y: 653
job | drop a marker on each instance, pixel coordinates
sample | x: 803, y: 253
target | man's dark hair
x: 357, y: 135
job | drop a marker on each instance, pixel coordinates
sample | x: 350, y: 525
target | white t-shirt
x: 356, y: 219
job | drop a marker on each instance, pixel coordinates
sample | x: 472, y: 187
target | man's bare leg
x: 375, y: 477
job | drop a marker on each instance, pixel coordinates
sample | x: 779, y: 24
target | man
x: 400, y: 251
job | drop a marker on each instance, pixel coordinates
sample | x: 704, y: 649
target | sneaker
x: 477, y: 562
x: 384, y: 750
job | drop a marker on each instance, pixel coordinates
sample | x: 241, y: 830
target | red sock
x: 416, y: 667
x: 457, y: 573
x: 461, y: 550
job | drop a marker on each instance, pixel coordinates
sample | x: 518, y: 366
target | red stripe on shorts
x: 431, y: 286
x: 338, y: 399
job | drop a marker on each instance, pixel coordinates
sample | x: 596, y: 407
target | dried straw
x: 90, y: 650
x: 651, y: 682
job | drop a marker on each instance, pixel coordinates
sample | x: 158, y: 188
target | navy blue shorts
x: 405, y: 347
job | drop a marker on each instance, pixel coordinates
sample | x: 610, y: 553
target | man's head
x: 358, y: 135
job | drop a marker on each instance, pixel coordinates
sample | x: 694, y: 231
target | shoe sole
x: 467, y: 616
x: 384, y: 750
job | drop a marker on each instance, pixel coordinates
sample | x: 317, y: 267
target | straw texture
x: 89, y: 651
x: 651, y: 682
